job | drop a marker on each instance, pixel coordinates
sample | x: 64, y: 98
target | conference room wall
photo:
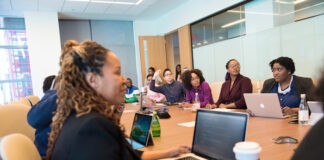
x: 301, y: 41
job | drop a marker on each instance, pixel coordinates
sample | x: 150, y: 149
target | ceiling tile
x: 26, y: 5
x: 117, y: 9
x: 97, y: 8
x: 74, y: 6
x: 50, y: 5
x: 5, y: 5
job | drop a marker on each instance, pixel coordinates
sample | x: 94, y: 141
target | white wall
x: 44, y: 46
x: 302, y: 41
x: 189, y: 12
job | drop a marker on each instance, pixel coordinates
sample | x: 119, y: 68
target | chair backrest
x: 22, y: 100
x: 33, y: 99
x: 17, y: 147
x: 13, y: 119
x: 257, y: 86
x: 215, y: 89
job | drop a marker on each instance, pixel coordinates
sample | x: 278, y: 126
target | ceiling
x: 90, y: 9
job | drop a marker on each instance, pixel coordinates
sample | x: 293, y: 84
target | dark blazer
x: 303, y: 86
x: 92, y: 136
x: 311, y: 148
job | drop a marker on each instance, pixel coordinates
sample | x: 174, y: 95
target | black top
x: 92, y: 136
x: 312, y: 146
x: 303, y: 85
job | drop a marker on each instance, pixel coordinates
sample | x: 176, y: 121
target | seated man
x: 173, y: 90
x: 40, y: 115
x: 131, y: 92
x: 286, y: 85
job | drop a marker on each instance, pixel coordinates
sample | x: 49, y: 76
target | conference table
x: 260, y: 130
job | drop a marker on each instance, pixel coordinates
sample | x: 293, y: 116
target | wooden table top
x: 260, y: 130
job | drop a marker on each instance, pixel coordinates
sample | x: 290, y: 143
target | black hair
x: 287, y: 62
x: 48, y: 83
x: 228, y: 62
x: 319, y: 91
x: 130, y: 80
x: 177, y: 73
x: 149, y: 75
x: 152, y: 68
x: 167, y: 69
x: 186, y: 77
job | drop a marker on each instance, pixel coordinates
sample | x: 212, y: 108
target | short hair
x: 152, y: 68
x: 186, y: 77
x: 319, y: 91
x: 48, y: 83
x: 228, y: 62
x: 130, y: 80
x: 287, y: 62
x: 167, y: 69
x: 149, y: 75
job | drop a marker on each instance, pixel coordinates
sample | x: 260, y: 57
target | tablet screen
x: 141, y: 128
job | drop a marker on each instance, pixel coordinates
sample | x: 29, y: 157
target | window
x: 15, y: 76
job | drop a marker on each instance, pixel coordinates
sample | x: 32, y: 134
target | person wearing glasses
x: 231, y: 95
x: 287, y: 85
x: 194, y: 82
x: 173, y: 90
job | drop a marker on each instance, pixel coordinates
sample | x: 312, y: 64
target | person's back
x: 92, y: 136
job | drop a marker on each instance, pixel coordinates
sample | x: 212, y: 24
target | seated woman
x: 131, y: 92
x: 231, y: 94
x: 156, y: 97
x: 158, y: 80
x: 173, y: 90
x: 286, y: 85
x: 194, y: 82
x: 178, y: 73
x: 312, y: 145
x: 86, y: 124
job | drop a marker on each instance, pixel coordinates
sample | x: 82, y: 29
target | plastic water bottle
x: 303, y: 115
x: 156, y: 130
x: 196, y: 104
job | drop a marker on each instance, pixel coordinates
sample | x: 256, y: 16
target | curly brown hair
x: 186, y: 77
x: 73, y: 92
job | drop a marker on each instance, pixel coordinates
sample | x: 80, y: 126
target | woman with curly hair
x: 194, y: 82
x: 86, y: 124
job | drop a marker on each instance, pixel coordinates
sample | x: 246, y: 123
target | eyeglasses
x: 285, y: 139
x: 168, y: 74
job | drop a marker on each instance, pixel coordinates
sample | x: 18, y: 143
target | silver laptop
x: 215, y: 135
x: 264, y: 104
x: 315, y: 106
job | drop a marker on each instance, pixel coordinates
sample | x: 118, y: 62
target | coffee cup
x: 247, y: 150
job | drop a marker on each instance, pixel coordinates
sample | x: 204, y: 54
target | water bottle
x: 303, y: 116
x: 196, y: 104
x: 142, y: 98
x: 156, y: 130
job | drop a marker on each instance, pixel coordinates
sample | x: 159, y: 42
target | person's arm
x: 167, y: 153
x: 158, y: 89
x: 246, y: 86
x: 208, y: 95
x: 160, y: 98
x: 40, y: 115
x: 290, y: 111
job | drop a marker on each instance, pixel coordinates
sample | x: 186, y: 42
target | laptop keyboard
x: 188, y: 158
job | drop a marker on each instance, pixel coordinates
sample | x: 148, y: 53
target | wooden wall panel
x: 169, y: 52
x: 185, y: 47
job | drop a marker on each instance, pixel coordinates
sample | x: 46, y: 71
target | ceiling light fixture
x: 295, y: 2
x: 109, y: 2
x: 252, y: 12
x: 233, y: 23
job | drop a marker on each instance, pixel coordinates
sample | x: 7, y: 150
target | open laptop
x: 264, y: 104
x: 215, y: 134
x: 316, y: 110
x: 141, y: 131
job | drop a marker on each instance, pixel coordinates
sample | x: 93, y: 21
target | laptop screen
x: 217, y: 132
x: 141, y: 128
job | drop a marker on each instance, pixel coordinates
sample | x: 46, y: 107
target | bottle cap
x: 302, y: 95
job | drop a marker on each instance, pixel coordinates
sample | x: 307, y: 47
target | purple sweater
x: 204, y: 94
x: 241, y: 85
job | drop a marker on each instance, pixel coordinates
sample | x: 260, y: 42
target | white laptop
x: 264, y: 104
x: 215, y: 135
x: 316, y: 112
